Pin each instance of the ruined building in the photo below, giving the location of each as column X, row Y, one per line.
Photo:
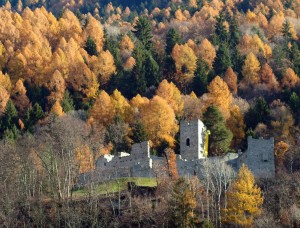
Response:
column 259, row 157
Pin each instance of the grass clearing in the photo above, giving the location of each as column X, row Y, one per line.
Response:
column 115, row 185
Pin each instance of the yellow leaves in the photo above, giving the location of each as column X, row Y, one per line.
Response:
column 129, row 64
column 19, row 97
column 290, row 79
column 253, row 44
column 280, row 149
column 94, row 29
column 103, row 66
column 250, row 16
column 207, row 52
column 251, row 70
column 236, row 125
column 85, row 159
column 103, row 111
column 57, row 109
column 5, row 81
column 122, row 107
column 126, row 44
column 159, row 121
column 171, row 94
column 219, row 95
column 185, row 62
column 56, row 86
column 4, row 97
column 244, row 200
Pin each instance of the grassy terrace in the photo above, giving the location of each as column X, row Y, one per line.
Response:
column 115, row 185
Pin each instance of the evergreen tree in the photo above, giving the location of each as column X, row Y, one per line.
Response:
column 234, row 33
column 173, row 37
column 137, row 82
column 294, row 102
column 139, row 133
column 151, row 70
column 67, row 102
column 222, row 60
column 9, row 121
column 260, row 113
column 295, row 57
column 221, row 35
column 286, row 31
column 220, row 137
column 33, row 115
column 200, row 81
column 182, row 205
column 143, row 32
column 237, row 61
column 90, row 46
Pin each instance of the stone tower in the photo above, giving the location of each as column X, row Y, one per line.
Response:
column 193, row 138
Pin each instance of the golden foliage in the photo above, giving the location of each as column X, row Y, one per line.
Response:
column 5, row 81
column 220, row 96
column 121, row 105
column 244, row 200
column 236, row 125
column 280, row 149
column 126, row 44
column 4, row 97
column 251, row 70
column 172, row 95
column 19, row 97
column 231, row 79
column 57, row 109
column 207, row 52
column 185, row 62
column 103, row 111
column 85, row 159
column 129, row 64
column 103, row 66
column 171, row 161
column 290, row 79
column 159, row 121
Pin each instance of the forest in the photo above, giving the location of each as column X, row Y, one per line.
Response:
column 82, row 79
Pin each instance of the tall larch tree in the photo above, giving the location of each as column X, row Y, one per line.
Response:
column 220, row 95
column 94, row 30
column 19, row 97
column 4, row 97
column 207, row 52
column 268, row 77
column 103, row 111
column 231, row 79
column 251, row 70
column 237, row 126
column 290, row 79
column 159, row 121
column 103, row 66
column 122, row 106
column 185, row 62
column 171, row 161
column 172, row 95
column 244, row 200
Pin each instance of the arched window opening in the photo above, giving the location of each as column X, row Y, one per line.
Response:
column 188, row 142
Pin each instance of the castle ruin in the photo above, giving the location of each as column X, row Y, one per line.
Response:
column 259, row 157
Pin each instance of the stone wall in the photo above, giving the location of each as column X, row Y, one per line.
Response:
column 259, row 157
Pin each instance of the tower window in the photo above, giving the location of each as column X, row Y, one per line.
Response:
column 188, row 142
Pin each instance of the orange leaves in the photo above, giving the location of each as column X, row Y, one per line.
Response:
column 103, row 66
column 85, row 159
column 185, row 62
column 159, row 121
column 219, row 95
column 103, row 110
column 251, row 70
column 280, row 149
column 290, row 79
column 4, row 97
column 207, row 52
column 172, row 95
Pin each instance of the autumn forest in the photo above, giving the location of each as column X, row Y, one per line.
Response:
column 82, row 79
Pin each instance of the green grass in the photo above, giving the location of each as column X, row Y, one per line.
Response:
column 115, row 185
